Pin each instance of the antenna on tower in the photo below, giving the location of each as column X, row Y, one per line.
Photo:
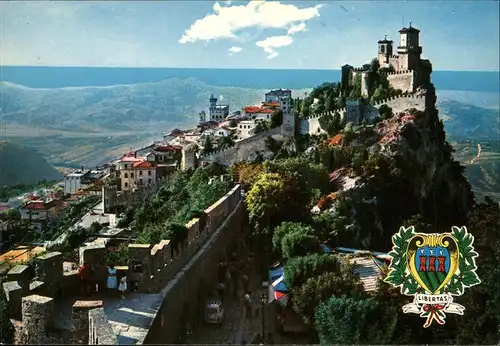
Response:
column 403, row 21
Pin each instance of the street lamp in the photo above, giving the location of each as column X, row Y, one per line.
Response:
column 263, row 300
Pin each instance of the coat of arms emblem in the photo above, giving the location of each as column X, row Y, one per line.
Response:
column 433, row 268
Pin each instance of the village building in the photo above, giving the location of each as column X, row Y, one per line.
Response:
column 223, row 131
column 245, row 129
column 281, row 96
column 258, row 113
column 40, row 210
column 75, row 181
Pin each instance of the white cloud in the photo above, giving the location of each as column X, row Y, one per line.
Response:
column 296, row 28
column 227, row 21
column 270, row 44
column 234, row 50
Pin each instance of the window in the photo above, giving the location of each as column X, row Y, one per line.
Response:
column 140, row 181
column 149, row 173
column 140, row 172
column 382, row 49
column 149, row 181
column 126, row 184
column 125, row 175
column 132, row 175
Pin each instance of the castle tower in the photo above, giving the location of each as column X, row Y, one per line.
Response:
column 213, row 106
column 409, row 49
column 384, row 52
column 203, row 117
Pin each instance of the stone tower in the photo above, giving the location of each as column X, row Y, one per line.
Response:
column 409, row 50
column 203, row 117
column 288, row 127
column 188, row 160
column 213, row 106
column 384, row 52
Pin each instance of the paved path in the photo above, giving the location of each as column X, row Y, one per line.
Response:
column 132, row 317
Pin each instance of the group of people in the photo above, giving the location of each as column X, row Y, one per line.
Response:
column 86, row 276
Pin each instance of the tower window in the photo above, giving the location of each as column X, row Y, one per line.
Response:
column 382, row 49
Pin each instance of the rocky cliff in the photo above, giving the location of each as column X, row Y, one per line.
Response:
column 399, row 169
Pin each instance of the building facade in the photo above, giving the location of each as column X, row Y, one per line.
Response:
column 217, row 112
column 245, row 129
column 283, row 97
column 75, row 181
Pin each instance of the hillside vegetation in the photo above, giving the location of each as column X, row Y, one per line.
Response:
column 354, row 188
column 24, row 166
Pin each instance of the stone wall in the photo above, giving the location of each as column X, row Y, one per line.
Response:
column 311, row 125
column 398, row 104
column 242, row 149
column 186, row 293
column 100, row 331
column 403, row 80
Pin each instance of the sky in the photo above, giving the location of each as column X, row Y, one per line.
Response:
column 455, row 35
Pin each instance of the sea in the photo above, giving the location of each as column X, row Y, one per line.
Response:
column 59, row 77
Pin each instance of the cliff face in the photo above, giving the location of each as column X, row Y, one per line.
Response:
column 400, row 168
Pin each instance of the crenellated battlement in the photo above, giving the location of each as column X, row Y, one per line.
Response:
column 150, row 267
column 330, row 113
column 398, row 97
column 360, row 69
column 398, row 72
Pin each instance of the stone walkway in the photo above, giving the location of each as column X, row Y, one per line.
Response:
column 132, row 317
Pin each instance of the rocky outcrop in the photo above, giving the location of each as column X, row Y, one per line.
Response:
column 407, row 169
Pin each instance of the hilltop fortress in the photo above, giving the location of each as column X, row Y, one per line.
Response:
column 405, row 70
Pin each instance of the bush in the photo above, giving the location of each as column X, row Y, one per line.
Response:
column 341, row 320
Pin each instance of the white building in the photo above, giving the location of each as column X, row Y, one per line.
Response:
column 73, row 181
column 39, row 210
column 258, row 113
column 246, row 129
column 223, row 131
column 284, row 97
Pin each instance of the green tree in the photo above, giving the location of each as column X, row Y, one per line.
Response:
column 288, row 227
column 385, row 112
column 298, row 243
column 341, row 320
column 208, row 146
column 318, row 289
column 479, row 325
column 225, row 143
column 299, row 269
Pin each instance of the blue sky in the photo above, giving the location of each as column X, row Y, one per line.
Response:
column 455, row 35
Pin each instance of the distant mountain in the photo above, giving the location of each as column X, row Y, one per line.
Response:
column 467, row 122
column 137, row 107
column 90, row 125
column 474, row 133
column 20, row 165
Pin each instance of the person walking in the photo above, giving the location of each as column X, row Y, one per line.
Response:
column 220, row 290
column 248, row 304
column 112, row 281
column 84, row 273
column 122, row 287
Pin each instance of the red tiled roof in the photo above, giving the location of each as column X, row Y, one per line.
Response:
column 271, row 104
column 176, row 132
column 143, row 164
column 39, row 204
column 254, row 109
column 165, row 148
